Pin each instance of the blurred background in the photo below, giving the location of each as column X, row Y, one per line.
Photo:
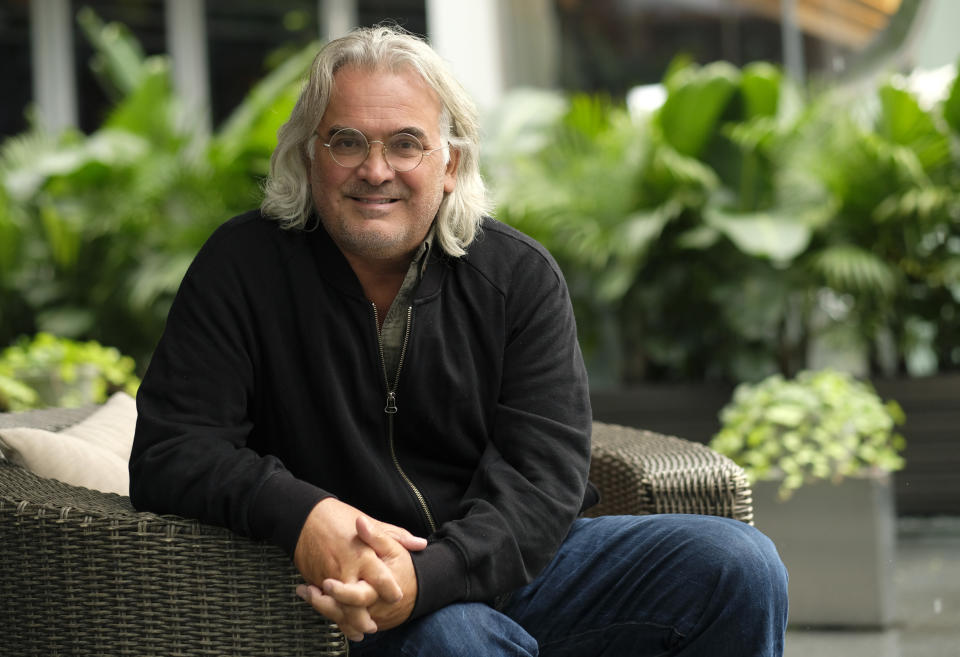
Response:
column 738, row 191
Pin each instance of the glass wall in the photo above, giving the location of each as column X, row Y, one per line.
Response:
column 245, row 39
column 612, row 45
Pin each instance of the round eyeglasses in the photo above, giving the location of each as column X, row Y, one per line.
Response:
column 403, row 152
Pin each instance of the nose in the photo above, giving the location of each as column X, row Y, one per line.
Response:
column 375, row 169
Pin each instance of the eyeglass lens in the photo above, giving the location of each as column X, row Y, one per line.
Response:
column 349, row 148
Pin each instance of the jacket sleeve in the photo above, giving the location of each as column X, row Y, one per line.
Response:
column 532, row 479
column 189, row 454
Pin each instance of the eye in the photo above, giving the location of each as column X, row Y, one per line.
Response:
column 350, row 141
column 405, row 145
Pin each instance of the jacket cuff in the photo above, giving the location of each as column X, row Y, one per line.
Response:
column 280, row 509
column 441, row 578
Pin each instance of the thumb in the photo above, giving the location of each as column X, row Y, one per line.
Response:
column 406, row 539
column 374, row 536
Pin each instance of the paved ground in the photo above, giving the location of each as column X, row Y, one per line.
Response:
column 928, row 601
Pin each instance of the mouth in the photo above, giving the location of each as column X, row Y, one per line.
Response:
column 373, row 200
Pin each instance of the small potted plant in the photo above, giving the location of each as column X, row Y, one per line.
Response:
column 51, row 371
column 820, row 449
column 823, row 425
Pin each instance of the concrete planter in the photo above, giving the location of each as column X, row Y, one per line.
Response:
column 838, row 542
column 54, row 391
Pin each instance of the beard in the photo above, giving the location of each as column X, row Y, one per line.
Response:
column 382, row 231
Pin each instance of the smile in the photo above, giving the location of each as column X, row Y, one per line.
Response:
column 373, row 200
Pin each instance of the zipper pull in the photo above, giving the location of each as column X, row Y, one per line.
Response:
column 391, row 406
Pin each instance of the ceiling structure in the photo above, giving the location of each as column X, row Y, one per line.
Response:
column 851, row 23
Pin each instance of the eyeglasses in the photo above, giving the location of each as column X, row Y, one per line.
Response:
column 403, row 152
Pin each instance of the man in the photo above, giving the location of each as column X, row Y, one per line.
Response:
column 377, row 377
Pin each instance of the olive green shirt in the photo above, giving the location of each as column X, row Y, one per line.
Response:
column 394, row 328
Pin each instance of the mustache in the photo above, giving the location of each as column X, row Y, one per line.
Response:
column 388, row 189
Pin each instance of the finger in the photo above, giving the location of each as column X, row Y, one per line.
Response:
column 375, row 571
column 379, row 576
column 354, row 622
column 357, row 594
column 375, row 536
column 403, row 537
column 379, row 536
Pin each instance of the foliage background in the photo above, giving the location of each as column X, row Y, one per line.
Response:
column 741, row 228
column 744, row 227
column 96, row 231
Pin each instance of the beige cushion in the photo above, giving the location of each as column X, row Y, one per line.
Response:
column 111, row 426
column 92, row 453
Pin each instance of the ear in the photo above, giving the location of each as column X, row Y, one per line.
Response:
column 450, row 174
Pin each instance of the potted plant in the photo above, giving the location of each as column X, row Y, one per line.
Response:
column 50, row 371
column 820, row 449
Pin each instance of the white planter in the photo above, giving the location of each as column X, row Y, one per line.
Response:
column 54, row 391
column 838, row 543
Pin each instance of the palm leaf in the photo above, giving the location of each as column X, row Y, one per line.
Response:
column 147, row 109
column 849, row 268
column 265, row 107
column 766, row 234
column 904, row 123
column 924, row 203
column 118, row 58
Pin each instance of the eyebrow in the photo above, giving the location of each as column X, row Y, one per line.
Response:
column 410, row 130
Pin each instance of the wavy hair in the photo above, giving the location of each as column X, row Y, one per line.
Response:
column 287, row 195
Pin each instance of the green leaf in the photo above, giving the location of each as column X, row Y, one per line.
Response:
column 848, row 268
column 789, row 415
column 697, row 98
column 66, row 321
column 10, row 237
column 700, row 238
column 270, row 100
column 762, row 234
column 118, row 57
column 147, row 109
column 951, row 107
column 760, row 87
column 905, row 123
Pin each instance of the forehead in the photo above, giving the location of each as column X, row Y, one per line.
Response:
column 380, row 102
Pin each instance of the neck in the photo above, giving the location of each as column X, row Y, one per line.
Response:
column 381, row 279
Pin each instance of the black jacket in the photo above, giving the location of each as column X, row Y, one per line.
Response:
column 266, row 394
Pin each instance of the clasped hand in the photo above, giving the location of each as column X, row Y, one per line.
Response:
column 359, row 571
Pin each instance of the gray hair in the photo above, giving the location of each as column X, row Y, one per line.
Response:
column 287, row 196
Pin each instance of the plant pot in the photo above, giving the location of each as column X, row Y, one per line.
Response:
column 838, row 544
column 52, row 390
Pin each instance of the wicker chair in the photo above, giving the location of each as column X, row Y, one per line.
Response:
column 83, row 573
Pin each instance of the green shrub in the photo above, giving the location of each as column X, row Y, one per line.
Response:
column 50, row 371
column 97, row 231
column 823, row 425
column 742, row 226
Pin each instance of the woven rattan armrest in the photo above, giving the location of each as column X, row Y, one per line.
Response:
column 83, row 573
column 640, row 472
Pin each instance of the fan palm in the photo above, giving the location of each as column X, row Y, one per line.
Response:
column 97, row 231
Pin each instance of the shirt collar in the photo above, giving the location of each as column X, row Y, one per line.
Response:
column 420, row 258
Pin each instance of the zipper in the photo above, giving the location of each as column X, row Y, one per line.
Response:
column 391, row 409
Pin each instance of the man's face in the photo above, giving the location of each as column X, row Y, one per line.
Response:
column 372, row 212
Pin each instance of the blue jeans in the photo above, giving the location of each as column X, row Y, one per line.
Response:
column 623, row 586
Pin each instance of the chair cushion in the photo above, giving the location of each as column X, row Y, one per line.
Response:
column 111, row 426
column 92, row 453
